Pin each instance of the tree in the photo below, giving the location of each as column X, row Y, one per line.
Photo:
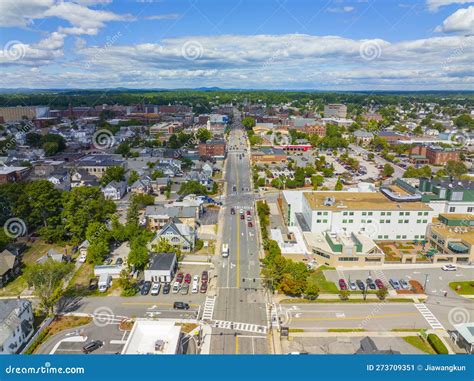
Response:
column 248, row 123
column 123, row 149
column 464, row 121
column 50, row 148
column 192, row 187
column 47, row 279
column 311, row 291
column 382, row 293
column 138, row 256
column 163, row 246
column 134, row 176
column 115, row 173
column 97, row 252
column 317, row 181
column 455, row 168
column 127, row 285
column 344, row 294
column 157, row 174
column 203, row 134
column 338, row 186
column 388, row 170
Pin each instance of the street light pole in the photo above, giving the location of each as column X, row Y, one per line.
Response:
column 426, row 281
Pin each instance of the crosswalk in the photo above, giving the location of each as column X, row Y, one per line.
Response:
column 429, row 317
column 246, row 327
column 208, row 310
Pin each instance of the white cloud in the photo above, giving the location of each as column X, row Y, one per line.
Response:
column 21, row 13
column 461, row 21
column 434, row 5
column 345, row 9
column 167, row 16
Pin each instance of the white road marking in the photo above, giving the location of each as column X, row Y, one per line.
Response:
column 209, row 304
column 429, row 317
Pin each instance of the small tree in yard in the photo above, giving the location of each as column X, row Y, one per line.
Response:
column 344, row 294
column 382, row 293
column 47, row 279
column 311, row 291
column 127, row 285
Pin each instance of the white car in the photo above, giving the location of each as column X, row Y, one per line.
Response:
column 195, row 288
column 449, row 268
column 176, row 287
column 155, row 289
column 82, row 258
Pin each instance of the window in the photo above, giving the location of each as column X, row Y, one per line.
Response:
column 380, row 236
column 425, row 213
column 363, row 221
column 325, row 213
column 418, row 221
column 351, row 221
column 370, row 214
column 385, row 236
column 401, row 213
column 364, row 213
column 404, row 237
column 351, row 213
column 398, row 237
column 387, row 221
column 318, row 213
column 407, row 213
column 452, row 209
column 416, row 236
column 406, row 221
column 382, row 213
column 325, row 221
column 318, row 221
column 400, row 221
column 389, row 213
column 348, row 259
column 470, row 209
column 344, row 213
column 344, row 221
column 382, row 221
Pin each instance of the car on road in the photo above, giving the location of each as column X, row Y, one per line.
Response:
column 176, row 287
column 93, row 284
column 184, row 289
column 352, row 285
column 146, row 287
column 179, row 277
column 181, row 306
column 404, row 284
column 379, row 284
column 360, row 284
column 249, row 224
column 241, row 210
column 166, row 288
column 203, row 287
column 342, row 284
column 370, row 284
column 249, row 213
column 155, row 288
column 394, row 283
column 249, row 218
column 449, row 268
column 242, row 217
column 232, row 211
column 92, row 346
column 205, row 276
column 187, row 278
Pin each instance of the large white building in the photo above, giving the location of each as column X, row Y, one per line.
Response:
column 369, row 213
column 16, row 325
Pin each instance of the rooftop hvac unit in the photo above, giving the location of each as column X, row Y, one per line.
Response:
column 329, row 201
column 159, row 345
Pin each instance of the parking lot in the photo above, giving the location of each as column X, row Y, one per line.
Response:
column 437, row 280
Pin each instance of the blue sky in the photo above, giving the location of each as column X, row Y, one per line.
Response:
column 300, row 44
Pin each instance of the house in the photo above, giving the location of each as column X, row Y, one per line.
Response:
column 60, row 179
column 114, row 190
column 96, row 165
column 161, row 268
column 463, row 336
column 10, row 267
column 16, row 325
column 269, row 156
column 12, row 174
column 202, row 178
column 54, row 255
column 180, row 235
column 157, row 216
column 141, row 186
column 363, row 137
column 368, row 347
column 81, row 178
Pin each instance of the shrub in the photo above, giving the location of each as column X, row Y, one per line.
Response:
column 437, row 344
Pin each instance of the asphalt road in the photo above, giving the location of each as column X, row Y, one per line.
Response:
column 240, row 298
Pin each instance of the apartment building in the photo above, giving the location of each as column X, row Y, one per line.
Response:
column 369, row 213
column 212, row 148
column 435, row 155
column 335, row 111
column 16, row 325
column 96, row 165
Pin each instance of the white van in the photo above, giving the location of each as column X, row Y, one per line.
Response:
column 105, row 280
column 225, row 250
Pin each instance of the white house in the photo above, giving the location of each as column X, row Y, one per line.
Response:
column 16, row 325
column 114, row 190
column 162, row 268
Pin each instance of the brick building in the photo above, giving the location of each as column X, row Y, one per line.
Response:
column 212, row 148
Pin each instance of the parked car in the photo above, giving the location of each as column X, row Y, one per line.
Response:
column 352, row 285
column 249, row 218
column 93, row 284
column 187, row 278
column 379, row 284
column 449, row 268
column 342, row 284
column 203, row 287
column 181, row 306
column 82, row 258
column 179, row 277
column 370, row 284
column 166, row 288
column 176, row 287
column 242, row 217
column 205, row 276
column 249, row 213
column 146, row 287
column 394, row 283
column 249, row 224
column 360, row 284
column 119, row 262
column 92, row 346
column 155, row 288
column 404, row 284
column 184, row 289
column 108, row 261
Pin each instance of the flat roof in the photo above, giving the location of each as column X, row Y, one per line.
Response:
column 146, row 333
column 455, row 232
column 466, row 330
column 457, row 216
column 359, row 201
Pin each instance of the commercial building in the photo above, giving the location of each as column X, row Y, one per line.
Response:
column 369, row 213
column 215, row 148
column 335, row 111
column 16, row 114
column 96, row 165
column 161, row 268
column 435, row 155
column 268, row 156
column 12, row 174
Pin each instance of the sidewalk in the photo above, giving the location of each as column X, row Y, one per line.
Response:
column 278, row 298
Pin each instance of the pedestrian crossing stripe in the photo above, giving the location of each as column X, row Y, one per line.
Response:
column 429, row 317
column 246, row 327
column 208, row 310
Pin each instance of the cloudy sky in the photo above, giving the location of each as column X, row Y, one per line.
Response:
column 268, row 44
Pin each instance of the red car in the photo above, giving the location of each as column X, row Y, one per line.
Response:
column 187, row 278
column 248, row 213
column 249, row 224
column 203, row 288
column 379, row 284
column 179, row 277
column 204, row 276
column 242, row 217
column 342, row 284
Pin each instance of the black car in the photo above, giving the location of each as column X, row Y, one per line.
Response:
column 93, row 283
column 181, row 306
column 92, row 346
column 371, row 284
column 166, row 288
column 119, row 261
column 360, row 284
column 146, row 287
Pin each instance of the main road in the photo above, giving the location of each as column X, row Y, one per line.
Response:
column 240, row 309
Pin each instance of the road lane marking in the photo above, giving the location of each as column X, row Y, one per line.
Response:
column 236, row 345
column 358, row 317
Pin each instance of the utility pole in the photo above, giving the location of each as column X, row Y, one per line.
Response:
column 426, row 281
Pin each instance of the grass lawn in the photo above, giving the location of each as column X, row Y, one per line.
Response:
column 420, row 343
column 389, row 300
column 467, row 288
column 346, row 330
column 35, row 251
column 325, row 287
column 79, row 283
